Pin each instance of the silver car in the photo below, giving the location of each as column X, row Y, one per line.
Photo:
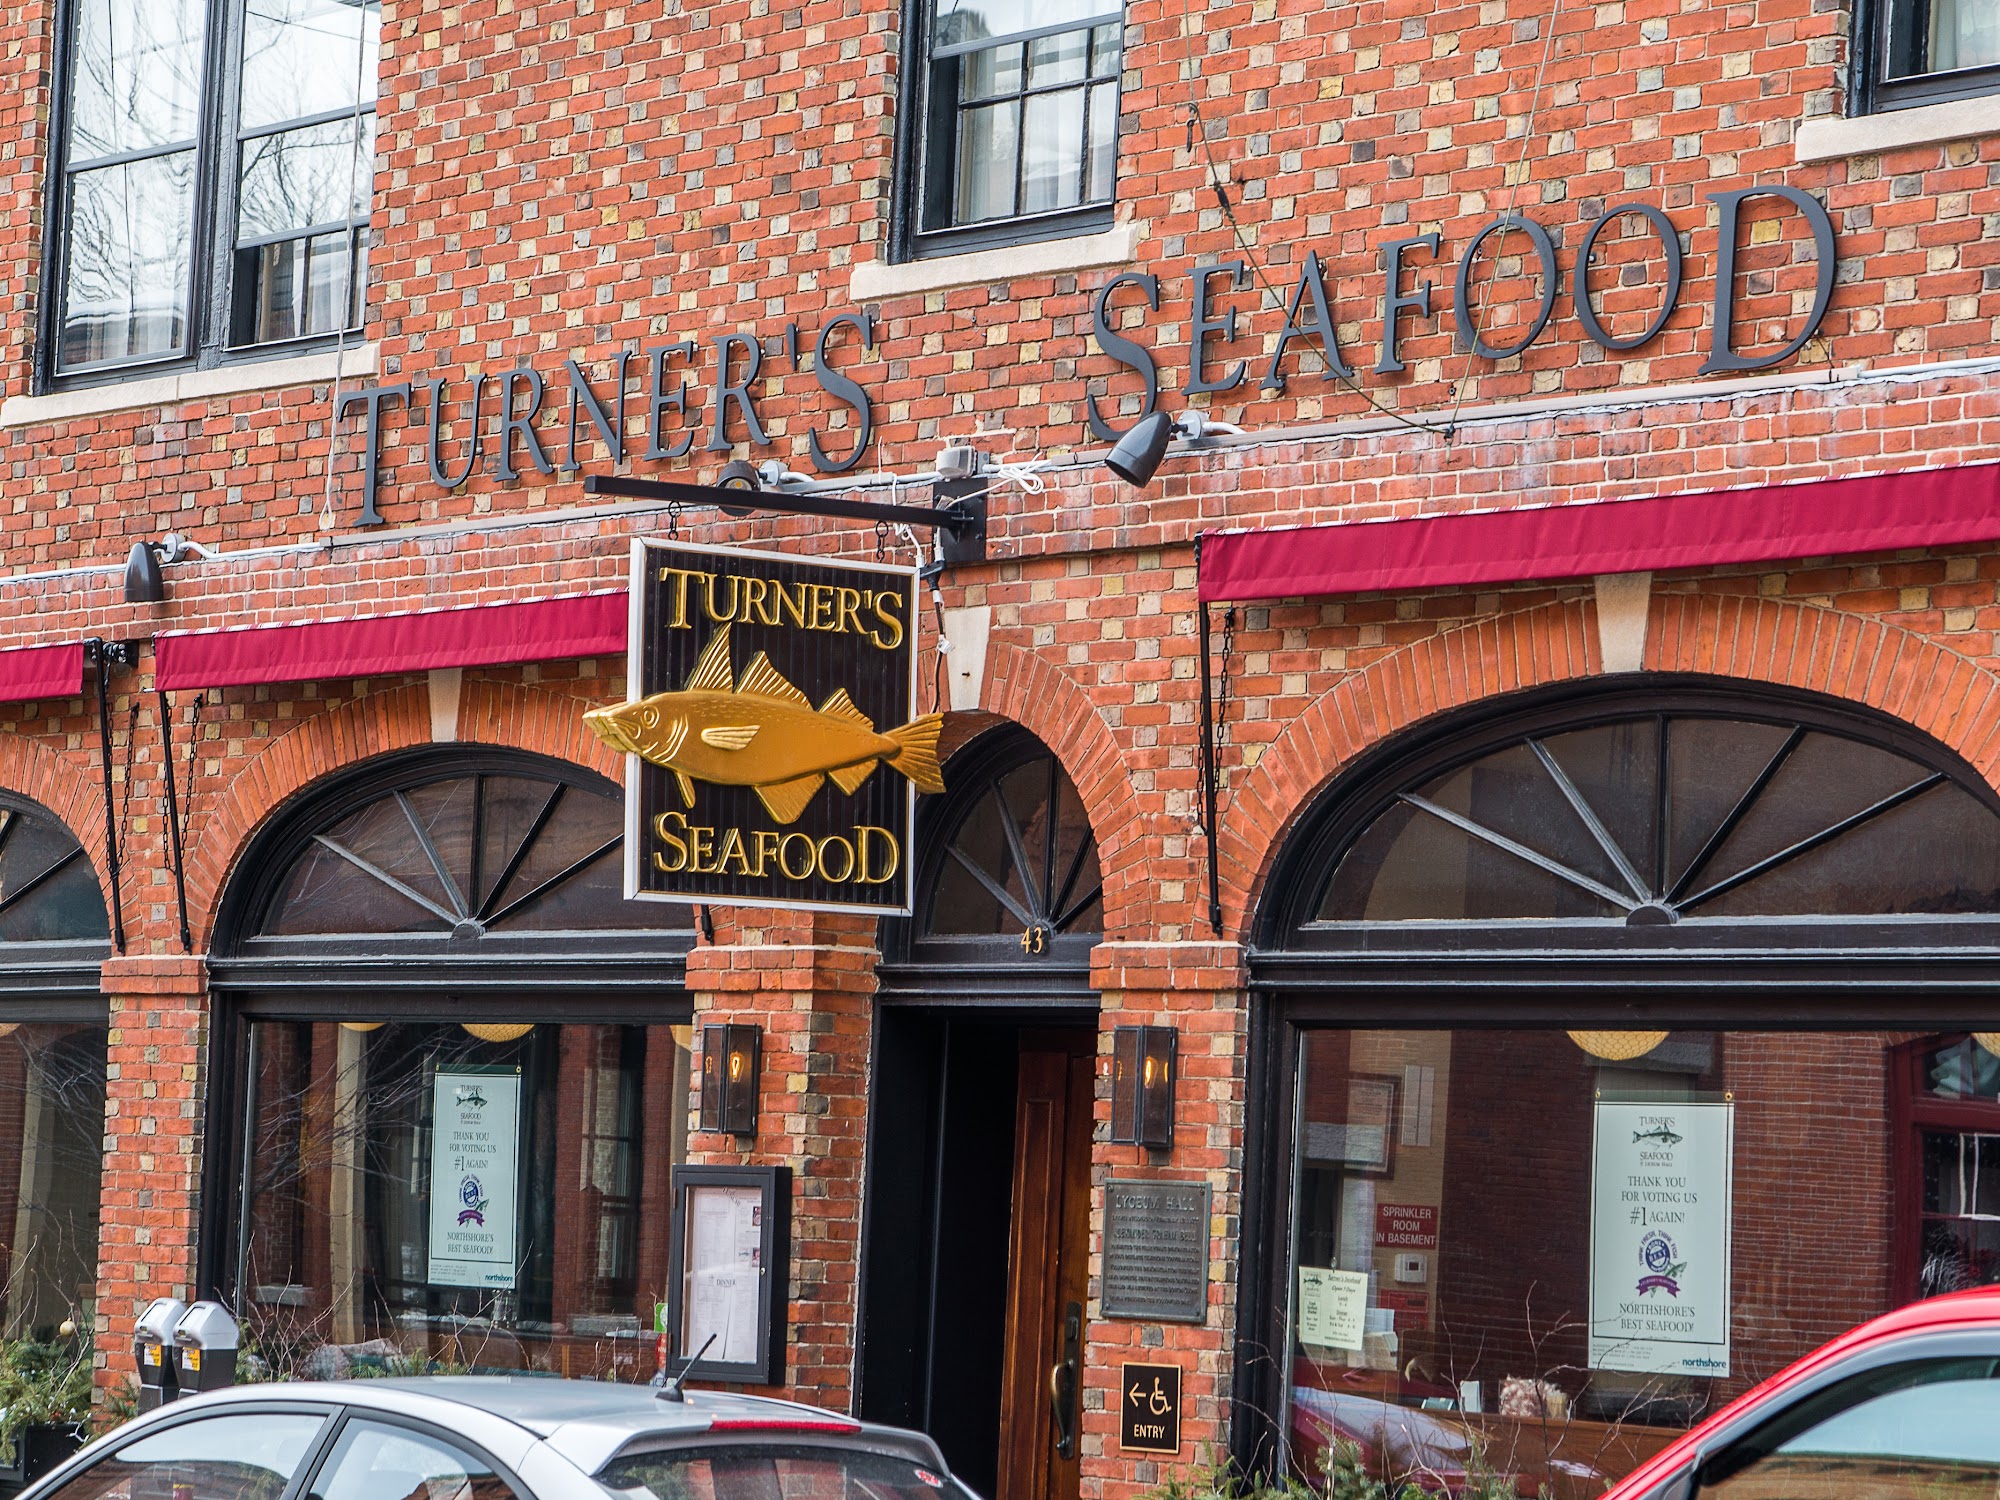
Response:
column 496, row 1438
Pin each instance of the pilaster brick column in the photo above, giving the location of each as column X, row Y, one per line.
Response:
column 156, row 1091
column 810, row 986
column 1197, row 988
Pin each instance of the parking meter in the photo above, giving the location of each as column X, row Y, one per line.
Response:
column 153, row 1346
column 206, row 1341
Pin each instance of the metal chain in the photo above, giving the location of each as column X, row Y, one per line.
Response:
column 1222, row 694
column 673, row 520
column 881, row 541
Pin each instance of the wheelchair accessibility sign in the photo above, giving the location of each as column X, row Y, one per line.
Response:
column 1151, row 1409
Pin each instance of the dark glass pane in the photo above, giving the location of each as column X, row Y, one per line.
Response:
column 1512, row 793
column 307, row 57
column 1711, row 764
column 508, row 809
column 66, row 906
column 136, row 77
column 1962, row 1070
column 1957, row 1254
column 1940, row 36
column 373, row 1462
column 382, row 835
column 1896, row 863
column 1052, row 150
column 961, row 906
column 1411, row 866
column 1823, row 781
column 326, row 894
column 582, row 824
column 52, row 1132
column 304, row 178
column 993, row 73
column 988, row 154
column 959, row 21
column 219, row 1457
column 296, row 288
column 337, row 1237
column 1101, row 166
column 1615, row 769
column 125, row 283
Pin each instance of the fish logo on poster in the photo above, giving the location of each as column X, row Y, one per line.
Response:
column 762, row 788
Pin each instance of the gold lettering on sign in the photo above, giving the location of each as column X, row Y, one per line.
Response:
column 871, row 856
column 876, row 615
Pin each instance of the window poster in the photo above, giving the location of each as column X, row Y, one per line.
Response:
column 475, row 1177
column 724, row 1267
column 1333, row 1307
column 1659, row 1237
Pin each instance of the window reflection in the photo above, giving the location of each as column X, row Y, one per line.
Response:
column 51, row 1166
column 353, row 1195
column 136, row 77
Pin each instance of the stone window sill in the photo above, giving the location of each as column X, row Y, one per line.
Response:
column 188, row 385
column 1833, row 139
column 1116, row 246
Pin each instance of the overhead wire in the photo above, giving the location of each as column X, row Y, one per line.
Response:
column 1198, row 130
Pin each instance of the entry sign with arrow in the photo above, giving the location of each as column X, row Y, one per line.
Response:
column 1150, row 1420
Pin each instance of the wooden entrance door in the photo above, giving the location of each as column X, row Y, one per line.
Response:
column 1048, row 1247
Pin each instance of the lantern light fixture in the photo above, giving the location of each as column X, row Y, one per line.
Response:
column 499, row 1031
column 729, row 1073
column 1143, row 1068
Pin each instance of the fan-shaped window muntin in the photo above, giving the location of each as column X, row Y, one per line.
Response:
column 1657, row 818
column 1019, row 859
column 514, row 850
column 48, row 887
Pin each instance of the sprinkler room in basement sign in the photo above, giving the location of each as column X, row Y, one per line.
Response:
column 773, row 745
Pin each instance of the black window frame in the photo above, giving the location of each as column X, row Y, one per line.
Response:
column 1873, row 91
column 213, row 253
column 924, row 169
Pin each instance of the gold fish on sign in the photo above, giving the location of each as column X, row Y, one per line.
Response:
column 763, row 733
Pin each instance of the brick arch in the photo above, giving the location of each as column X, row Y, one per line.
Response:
column 223, row 820
column 1861, row 661
column 1026, row 688
column 71, row 787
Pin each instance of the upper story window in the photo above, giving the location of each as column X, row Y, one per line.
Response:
column 216, row 166
column 1926, row 52
column 1013, row 122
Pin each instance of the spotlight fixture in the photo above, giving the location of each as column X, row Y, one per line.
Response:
column 738, row 474
column 1138, row 453
column 144, row 582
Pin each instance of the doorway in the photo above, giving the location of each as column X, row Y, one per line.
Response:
column 977, row 1241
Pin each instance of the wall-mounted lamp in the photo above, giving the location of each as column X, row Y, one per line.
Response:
column 1138, row 453
column 1142, row 1085
column 729, row 1058
column 144, row 582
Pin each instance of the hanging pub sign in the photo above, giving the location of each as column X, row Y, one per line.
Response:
column 774, row 749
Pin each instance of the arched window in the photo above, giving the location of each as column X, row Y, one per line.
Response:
column 1007, row 862
column 1682, row 821
column 481, row 860
column 48, row 890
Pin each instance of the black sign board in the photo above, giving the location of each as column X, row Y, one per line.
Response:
column 1149, row 1418
column 1156, row 1251
column 773, row 746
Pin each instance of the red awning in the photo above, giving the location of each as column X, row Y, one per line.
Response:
column 1877, row 513
column 33, row 672
column 487, row 635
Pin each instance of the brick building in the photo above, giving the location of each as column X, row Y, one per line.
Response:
column 1586, row 563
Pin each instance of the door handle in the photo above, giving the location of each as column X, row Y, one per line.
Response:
column 1064, row 1382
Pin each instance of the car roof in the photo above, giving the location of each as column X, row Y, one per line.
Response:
column 589, row 1421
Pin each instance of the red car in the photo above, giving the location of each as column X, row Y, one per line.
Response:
column 1904, row 1408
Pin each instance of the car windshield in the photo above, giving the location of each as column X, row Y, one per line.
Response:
column 773, row 1472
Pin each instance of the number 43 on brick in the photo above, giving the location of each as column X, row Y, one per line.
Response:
column 773, row 746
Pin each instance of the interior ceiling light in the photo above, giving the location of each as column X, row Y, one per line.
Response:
column 499, row 1031
column 1618, row 1046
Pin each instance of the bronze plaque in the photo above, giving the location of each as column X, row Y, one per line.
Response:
column 1155, row 1251
column 1149, row 1408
